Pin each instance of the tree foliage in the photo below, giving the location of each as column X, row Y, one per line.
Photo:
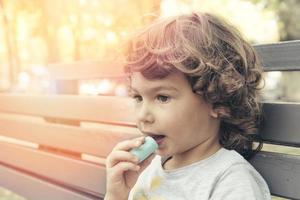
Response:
column 288, row 15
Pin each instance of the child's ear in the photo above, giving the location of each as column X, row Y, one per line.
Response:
column 217, row 112
column 214, row 113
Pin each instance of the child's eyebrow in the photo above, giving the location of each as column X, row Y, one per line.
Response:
column 155, row 89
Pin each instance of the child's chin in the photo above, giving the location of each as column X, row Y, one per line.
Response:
column 162, row 153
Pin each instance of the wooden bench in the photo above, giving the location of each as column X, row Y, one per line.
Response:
column 54, row 146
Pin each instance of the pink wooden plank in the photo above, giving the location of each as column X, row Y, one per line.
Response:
column 67, row 171
column 35, row 189
column 95, row 141
column 107, row 109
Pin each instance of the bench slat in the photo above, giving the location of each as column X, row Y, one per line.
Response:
column 86, row 70
column 24, row 184
column 281, row 124
column 94, row 141
column 104, row 109
column 74, row 173
column 281, row 172
column 282, row 56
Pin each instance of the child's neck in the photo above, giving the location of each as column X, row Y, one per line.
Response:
column 197, row 153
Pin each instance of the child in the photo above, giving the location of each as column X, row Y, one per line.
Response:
column 195, row 84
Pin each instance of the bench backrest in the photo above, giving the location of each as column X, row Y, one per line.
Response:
column 54, row 146
column 281, row 166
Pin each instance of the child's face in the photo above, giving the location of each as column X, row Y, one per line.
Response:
column 178, row 119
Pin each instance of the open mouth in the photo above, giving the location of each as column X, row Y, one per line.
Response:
column 158, row 138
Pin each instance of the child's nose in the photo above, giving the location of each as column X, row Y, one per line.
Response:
column 145, row 114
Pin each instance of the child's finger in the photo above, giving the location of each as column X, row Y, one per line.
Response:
column 126, row 145
column 119, row 169
column 119, row 156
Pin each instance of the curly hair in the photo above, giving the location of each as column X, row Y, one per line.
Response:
column 218, row 63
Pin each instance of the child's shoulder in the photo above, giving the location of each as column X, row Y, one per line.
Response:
column 235, row 164
column 231, row 162
column 240, row 176
column 224, row 159
column 236, row 175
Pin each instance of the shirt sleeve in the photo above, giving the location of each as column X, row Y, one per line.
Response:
column 238, row 182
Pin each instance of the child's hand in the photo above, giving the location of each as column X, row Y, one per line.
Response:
column 122, row 169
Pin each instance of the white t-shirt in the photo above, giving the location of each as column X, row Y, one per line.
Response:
column 225, row 175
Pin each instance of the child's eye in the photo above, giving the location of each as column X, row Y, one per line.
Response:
column 163, row 98
column 137, row 98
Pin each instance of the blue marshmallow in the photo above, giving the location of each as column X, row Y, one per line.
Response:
column 146, row 149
